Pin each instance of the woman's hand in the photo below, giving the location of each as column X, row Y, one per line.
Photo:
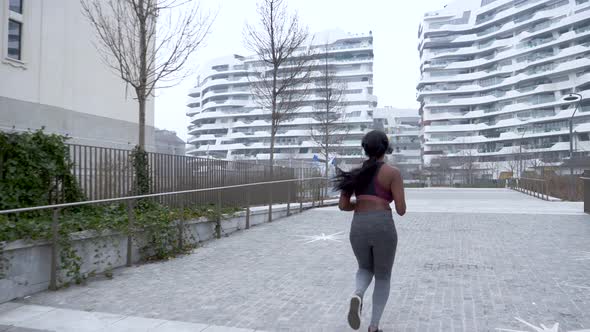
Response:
column 397, row 189
column 345, row 203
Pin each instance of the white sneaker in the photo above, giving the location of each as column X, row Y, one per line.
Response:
column 354, row 312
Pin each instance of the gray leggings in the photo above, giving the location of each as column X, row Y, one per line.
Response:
column 374, row 240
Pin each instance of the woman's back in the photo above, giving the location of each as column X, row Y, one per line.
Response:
column 379, row 185
column 387, row 187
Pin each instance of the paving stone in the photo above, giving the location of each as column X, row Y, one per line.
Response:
column 459, row 267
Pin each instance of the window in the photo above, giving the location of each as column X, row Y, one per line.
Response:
column 220, row 67
column 353, row 91
column 557, row 4
column 16, row 6
column 15, row 30
column 14, row 39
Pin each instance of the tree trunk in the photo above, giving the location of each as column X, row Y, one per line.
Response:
column 271, row 169
column 143, row 71
column 142, row 103
column 327, row 147
column 326, row 176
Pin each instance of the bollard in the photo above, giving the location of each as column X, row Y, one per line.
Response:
column 321, row 193
column 300, row 196
column 181, row 226
column 248, row 217
column 218, row 221
column 130, row 221
column 247, row 208
column 288, row 199
column 270, row 202
column 54, row 249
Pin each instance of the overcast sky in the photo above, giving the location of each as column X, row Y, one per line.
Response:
column 395, row 30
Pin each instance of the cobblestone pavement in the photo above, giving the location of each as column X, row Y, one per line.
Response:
column 477, row 269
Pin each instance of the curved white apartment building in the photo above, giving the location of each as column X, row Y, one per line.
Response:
column 494, row 73
column 227, row 122
column 403, row 128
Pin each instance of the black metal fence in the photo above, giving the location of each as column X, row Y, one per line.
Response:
column 535, row 187
column 312, row 188
column 104, row 173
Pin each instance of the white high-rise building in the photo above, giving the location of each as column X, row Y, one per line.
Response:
column 494, row 74
column 228, row 123
column 402, row 126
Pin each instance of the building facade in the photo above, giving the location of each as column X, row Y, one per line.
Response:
column 494, row 75
column 52, row 76
column 227, row 122
column 167, row 142
column 402, row 126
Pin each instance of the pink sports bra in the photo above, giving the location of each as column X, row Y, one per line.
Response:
column 374, row 190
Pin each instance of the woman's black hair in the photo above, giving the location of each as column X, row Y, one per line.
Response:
column 375, row 144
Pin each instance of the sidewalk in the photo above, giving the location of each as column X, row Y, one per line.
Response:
column 16, row 317
column 467, row 260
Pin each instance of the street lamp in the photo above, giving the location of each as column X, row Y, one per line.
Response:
column 572, row 98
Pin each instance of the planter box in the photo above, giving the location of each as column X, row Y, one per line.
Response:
column 28, row 266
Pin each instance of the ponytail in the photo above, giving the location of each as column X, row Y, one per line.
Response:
column 357, row 179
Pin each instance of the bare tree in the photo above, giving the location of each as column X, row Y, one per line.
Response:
column 512, row 166
column 535, row 163
column 467, row 160
column 147, row 54
column 494, row 167
column 329, row 130
column 442, row 170
column 281, row 74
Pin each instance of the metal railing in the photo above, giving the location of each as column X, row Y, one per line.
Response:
column 103, row 173
column 586, row 193
column 534, row 187
column 297, row 191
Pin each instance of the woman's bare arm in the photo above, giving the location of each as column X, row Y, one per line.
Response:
column 345, row 203
column 397, row 189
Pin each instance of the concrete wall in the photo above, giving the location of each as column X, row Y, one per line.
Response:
column 83, row 128
column 29, row 263
column 62, row 72
column 168, row 142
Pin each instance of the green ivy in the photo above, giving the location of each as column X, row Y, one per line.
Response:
column 35, row 170
column 157, row 224
column 139, row 159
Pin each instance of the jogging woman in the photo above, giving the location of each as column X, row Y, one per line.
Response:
column 372, row 234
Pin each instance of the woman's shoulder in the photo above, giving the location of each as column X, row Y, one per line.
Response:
column 390, row 169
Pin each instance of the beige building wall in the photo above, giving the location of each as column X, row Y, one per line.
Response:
column 61, row 82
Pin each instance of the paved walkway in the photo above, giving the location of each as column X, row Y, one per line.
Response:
column 468, row 260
